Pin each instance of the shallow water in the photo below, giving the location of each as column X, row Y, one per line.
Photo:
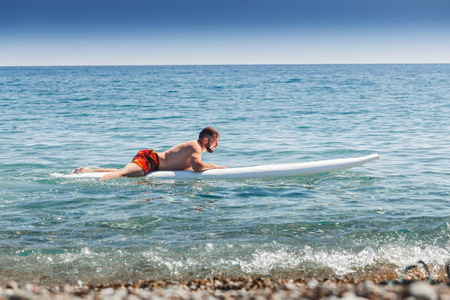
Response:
column 371, row 220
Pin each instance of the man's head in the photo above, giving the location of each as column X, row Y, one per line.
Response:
column 209, row 137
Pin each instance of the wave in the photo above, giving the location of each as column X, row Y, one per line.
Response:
column 99, row 265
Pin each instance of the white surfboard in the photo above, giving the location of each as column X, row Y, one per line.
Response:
column 264, row 171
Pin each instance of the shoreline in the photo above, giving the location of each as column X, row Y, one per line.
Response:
column 235, row 288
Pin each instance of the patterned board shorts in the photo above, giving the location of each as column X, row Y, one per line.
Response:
column 148, row 160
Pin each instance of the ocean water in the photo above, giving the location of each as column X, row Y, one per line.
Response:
column 369, row 221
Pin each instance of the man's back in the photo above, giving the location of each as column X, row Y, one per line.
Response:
column 179, row 156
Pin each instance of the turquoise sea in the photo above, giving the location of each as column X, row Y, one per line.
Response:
column 369, row 221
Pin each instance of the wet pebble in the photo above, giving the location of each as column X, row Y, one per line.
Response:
column 422, row 290
column 227, row 288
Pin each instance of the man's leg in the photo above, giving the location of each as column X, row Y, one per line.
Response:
column 130, row 170
column 87, row 170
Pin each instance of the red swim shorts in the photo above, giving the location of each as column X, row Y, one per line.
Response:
column 148, row 160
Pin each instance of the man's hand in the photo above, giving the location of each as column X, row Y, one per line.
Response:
column 220, row 167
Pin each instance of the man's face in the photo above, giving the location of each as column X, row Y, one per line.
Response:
column 212, row 144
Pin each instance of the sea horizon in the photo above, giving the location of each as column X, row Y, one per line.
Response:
column 232, row 64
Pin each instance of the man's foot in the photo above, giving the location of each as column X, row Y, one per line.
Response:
column 82, row 170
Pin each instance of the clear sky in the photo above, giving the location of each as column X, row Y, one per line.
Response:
column 168, row 32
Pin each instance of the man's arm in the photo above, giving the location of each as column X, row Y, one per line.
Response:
column 199, row 166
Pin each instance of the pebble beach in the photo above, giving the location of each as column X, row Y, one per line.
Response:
column 239, row 288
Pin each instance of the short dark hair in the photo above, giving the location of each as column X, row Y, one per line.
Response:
column 208, row 132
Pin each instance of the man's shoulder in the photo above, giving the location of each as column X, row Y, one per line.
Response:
column 192, row 145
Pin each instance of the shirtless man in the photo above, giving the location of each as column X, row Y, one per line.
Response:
column 185, row 156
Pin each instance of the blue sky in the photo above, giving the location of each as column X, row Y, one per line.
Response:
column 167, row 32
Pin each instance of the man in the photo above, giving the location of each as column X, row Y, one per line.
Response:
column 185, row 156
